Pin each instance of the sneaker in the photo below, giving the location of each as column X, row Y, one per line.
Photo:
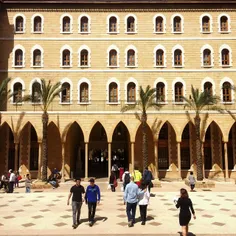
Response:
column 90, row 223
column 143, row 223
column 74, row 226
column 130, row 224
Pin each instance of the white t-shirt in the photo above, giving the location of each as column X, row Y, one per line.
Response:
column 12, row 177
column 144, row 198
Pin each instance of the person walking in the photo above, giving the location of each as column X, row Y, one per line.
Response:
column 192, row 181
column 115, row 169
column 185, row 205
column 12, row 180
column 147, row 178
column 125, row 178
column 137, row 176
column 77, row 200
column 92, row 198
column 131, row 198
column 4, row 182
column 113, row 181
column 143, row 202
column 28, row 183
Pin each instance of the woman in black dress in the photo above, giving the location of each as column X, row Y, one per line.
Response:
column 185, row 204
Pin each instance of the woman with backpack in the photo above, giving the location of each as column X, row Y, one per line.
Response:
column 125, row 178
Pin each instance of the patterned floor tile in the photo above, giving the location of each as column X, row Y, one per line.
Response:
column 27, row 205
column 215, row 204
column 51, row 205
column 60, row 224
column 122, row 223
column 172, row 209
column 121, row 216
column 20, row 210
column 224, row 209
column 220, row 196
column 229, row 200
column 120, row 204
column 207, row 216
column 164, row 199
column 40, row 196
column 66, row 216
column 199, row 209
column 37, row 217
column 35, row 200
column 57, row 200
column 154, row 223
column 3, row 205
column 207, row 200
column 200, row 195
column 233, row 216
column 12, row 201
column 121, row 209
column 168, row 204
column 1, row 224
column 218, row 224
column 44, row 210
column 28, row 225
column 176, row 215
column 160, row 195
column 60, row 196
column 8, row 217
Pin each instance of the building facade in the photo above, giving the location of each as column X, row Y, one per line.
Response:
column 101, row 53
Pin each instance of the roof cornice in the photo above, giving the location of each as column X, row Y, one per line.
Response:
column 223, row 2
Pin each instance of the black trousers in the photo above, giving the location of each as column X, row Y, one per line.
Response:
column 143, row 212
column 91, row 210
column 11, row 187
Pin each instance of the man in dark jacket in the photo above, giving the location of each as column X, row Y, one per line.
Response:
column 147, row 178
column 92, row 198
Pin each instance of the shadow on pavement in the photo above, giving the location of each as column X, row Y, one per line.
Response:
column 189, row 234
column 149, row 218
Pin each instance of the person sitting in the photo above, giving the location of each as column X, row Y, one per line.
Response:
column 53, row 181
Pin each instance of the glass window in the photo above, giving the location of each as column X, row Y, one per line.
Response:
column 131, row 96
column 65, row 94
column 177, row 24
column 227, row 92
column 131, row 58
column 37, row 58
column 66, row 58
column 130, row 24
column 36, row 87
column 208, row 87
column 159, row 58
column 18, row 57
column 37, row 24
column 159, row 24
column 178, row 92
column 113, row 93
column 113, row 24
column 224, row 25
column 17, row 96
column 84, row 94
column 84, row 58
column 207, row 57
column 113, row 58
column 84, row 24
column 160, row 92
column 19, row 27
column 206, row 24
column 66, row 24
column 178, row 57
column 225, row 57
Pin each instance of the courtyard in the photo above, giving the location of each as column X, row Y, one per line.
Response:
column 45, row 212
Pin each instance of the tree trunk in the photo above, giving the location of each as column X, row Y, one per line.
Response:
column 197, row 121
column 45, row 146
column 144, row 145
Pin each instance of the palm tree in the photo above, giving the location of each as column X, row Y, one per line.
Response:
column 46, row 94
column 5, row 94
column 147, row 100
column 199, row 101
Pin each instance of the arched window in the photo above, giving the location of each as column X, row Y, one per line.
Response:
column 207, row 57
column 226, row 92
column 37, row 58
column 178, row 92
column 18, row 57
column 113, row 57
column 66, row 24
column 159, row 57
column 84, row 57
column 130, row 24
column 65, row 94
column 178, row 57
column 37, row 24
column 112, row 24
column 35, row 92
column 224, row 24
column 66, row 57
column 84, row 92
column 225, row 57
column 113, row 92
column 206, row 27
column 84, row 24
column 208, row 87
column 131, row 57
column 159, row 24
column 17, row 92
column 131, row 92
column 177, row 24
column 19, row 24
column 160, row 92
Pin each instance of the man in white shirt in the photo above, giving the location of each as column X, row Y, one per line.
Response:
column 11, row 181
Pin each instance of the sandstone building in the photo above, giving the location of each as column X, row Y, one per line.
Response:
column 102, row 51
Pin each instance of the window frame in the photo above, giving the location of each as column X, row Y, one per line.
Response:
column 207, row 47
column 66, row 47
column 164, row 24
column 17, row 80
column 24, row 24
column 35, row 80
column 230, row 81
column 113, row 80
column 135, row 24
column 32, row 24
column 172, row 24
column 79, row 24
column 66, row 80
column 80, row 82
column 159, row 47
column 210, row 24
column 18, row 47
column 178, row 80
column 219, row 24
column 37, row 47
column 223, row 47
column 117, row 24
column 178, row 47
column 127, row 82
column 162, row 80
column 62, row 27
column 131, row 47
column 84, row 47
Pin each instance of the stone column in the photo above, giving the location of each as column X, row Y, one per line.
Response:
column 226, row 160
column 203, row 161
column 132, row 157
column 63, row 162
column 109, row 159
column 156, row 158
column 86, row 160
column 40, row 159
column 179, row 158
column 16, row 156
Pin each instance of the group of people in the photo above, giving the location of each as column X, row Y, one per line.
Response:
column 133, row 195
column 10, row 181
column 146, row 178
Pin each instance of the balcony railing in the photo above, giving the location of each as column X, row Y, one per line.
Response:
column 100, row 105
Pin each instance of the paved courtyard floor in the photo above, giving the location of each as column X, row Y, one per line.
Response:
column 46, row 212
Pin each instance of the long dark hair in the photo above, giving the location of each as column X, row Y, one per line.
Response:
column 183, row 193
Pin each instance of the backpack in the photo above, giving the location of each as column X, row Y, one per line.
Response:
column 127, row 178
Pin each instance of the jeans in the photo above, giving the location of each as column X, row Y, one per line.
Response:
column 130, row 211
column 91, row 210
column 76, row 207
column 27, row 189
column 143, row 212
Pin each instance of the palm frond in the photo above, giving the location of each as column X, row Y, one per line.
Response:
column 128, row 107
